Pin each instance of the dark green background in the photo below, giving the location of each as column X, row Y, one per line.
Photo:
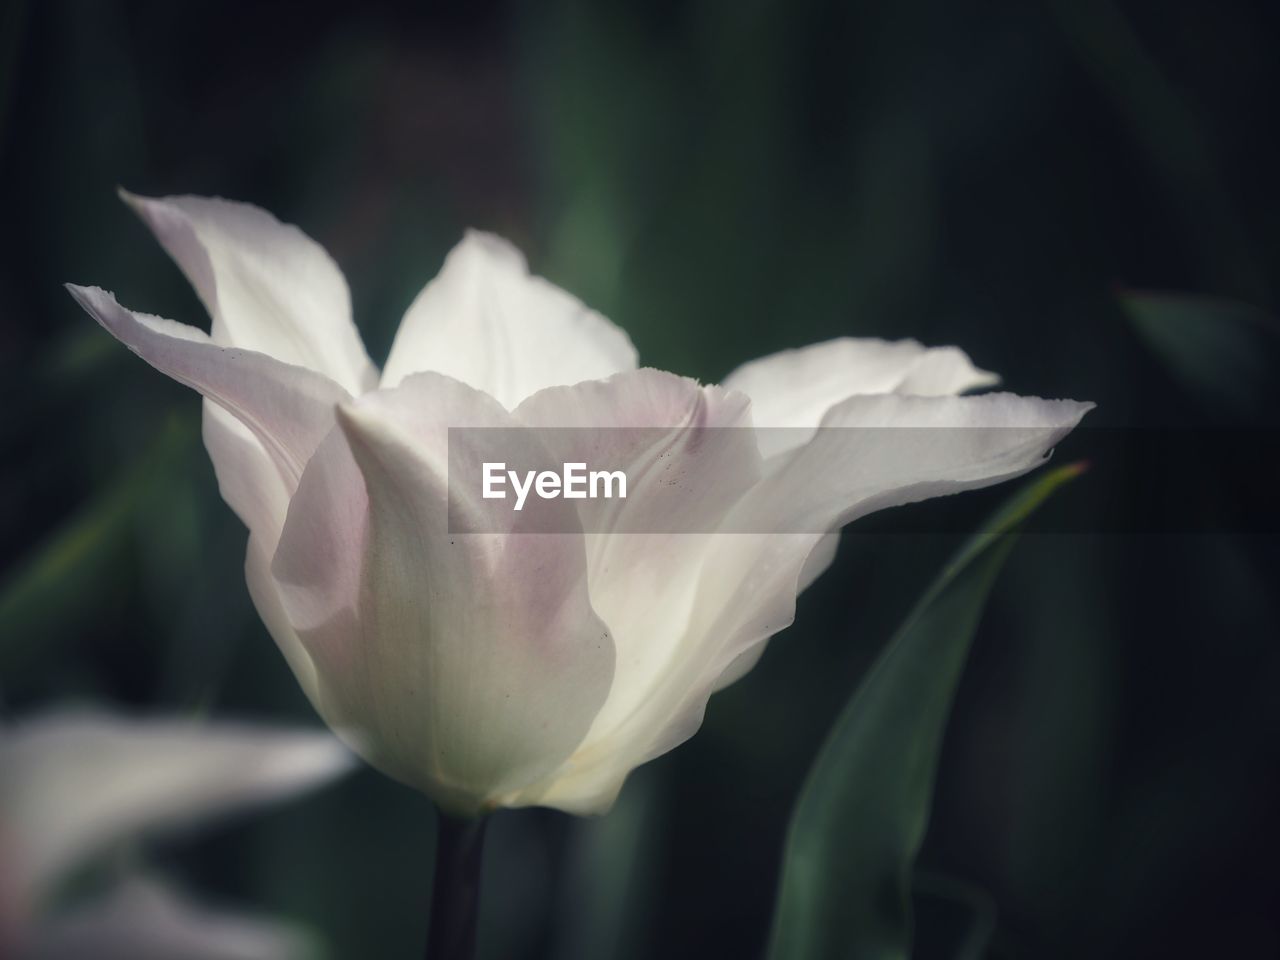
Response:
column 724, row 180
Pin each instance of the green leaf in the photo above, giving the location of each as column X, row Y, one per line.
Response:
column 977, row 909
column 862, row 813
column 1223, row 351
column 68, row 577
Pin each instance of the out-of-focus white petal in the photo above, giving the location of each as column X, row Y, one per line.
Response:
column 74, row 781
column 464, row 664
column 795, row 388
column 142, row 920
column 485, row 321
column 268, row 286
column 880, row 451
column 288, row 409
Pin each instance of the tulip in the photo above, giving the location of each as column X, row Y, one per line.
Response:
column 74, row 784
column 503, row 668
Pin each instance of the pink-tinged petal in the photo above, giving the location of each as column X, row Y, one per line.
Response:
column 248, row 479
column 821, row 557
column 73, row 782
column 287, row 409
column 689, row 453
column 687, row 450
column 880, row 451
column 250, row 483
column 487, row 322
column 142, row 920
column 795, row 388
column 465, row 664
column 268, row 286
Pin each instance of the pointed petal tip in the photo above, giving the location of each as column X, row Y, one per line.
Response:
column 985, row 378
column 1079, row 409
column 103, row 306
column 362, row 427
column 492, row 246
column 88, row 297
column 140, row 205
column 371, row 436
column 349, row 417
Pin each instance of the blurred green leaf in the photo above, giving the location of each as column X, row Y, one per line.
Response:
column 1166, row 128
column 1224, row 351
column 76, row 356
column 64, row 579
column 611, row 876
column 974, row 905
column 862, row 813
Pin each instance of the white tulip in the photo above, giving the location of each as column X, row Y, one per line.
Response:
column 506, row 668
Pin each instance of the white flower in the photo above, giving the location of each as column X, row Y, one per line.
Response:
column 140, row 919
column 75, row 783
column 491, row 670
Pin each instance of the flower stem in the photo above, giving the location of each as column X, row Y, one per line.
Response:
column 455, row 892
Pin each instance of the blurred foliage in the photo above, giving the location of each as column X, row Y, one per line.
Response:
column 724, row 180
column 846, row 882
column 1228, row 352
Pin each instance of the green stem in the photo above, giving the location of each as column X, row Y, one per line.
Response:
column 455, row 892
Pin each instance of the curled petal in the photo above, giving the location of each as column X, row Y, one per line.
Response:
column 795, row 388
column 287, row 409
column 880, row 451
column 485, row 321
column 268, row 286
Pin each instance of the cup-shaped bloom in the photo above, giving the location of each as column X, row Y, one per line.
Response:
column 509, row 665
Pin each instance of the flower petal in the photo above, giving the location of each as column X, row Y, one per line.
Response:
column 268, row 286
column 464, row 664
column 142, row 920
column 687, row 449
column 689, row 454
column 72, row 782
column 247, row 477
column 749, row 582
column 882, row 450
column 264, row 592
column 287, row 408
column 485, row 321
column 795, row 388
column 249, row 481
